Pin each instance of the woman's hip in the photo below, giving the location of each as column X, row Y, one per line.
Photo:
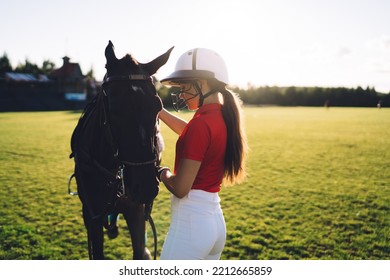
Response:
column 197, row 202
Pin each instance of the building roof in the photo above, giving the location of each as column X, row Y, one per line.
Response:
column 23, row 77
column 67, row 69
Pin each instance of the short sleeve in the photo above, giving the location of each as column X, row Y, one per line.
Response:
column 196, row 140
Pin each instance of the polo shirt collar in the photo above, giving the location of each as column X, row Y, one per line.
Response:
column 209, row 107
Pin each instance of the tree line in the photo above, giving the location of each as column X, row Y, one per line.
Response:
column 260, row 96
column 302, row 96
column 27, row 67
column 313, row 96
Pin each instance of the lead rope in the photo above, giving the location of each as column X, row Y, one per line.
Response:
column 148, row 217
column 154, row 236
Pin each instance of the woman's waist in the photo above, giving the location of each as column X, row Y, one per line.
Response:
column 197, row 201
column 203, row 195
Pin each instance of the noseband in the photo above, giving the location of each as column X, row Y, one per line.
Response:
column 134, row 77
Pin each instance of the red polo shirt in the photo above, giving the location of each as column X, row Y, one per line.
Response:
column 204, row 139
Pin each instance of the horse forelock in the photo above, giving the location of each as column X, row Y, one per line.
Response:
column 128, row 58
column 125, row 66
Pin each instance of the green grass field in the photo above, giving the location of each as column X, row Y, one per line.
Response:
column 318, row 188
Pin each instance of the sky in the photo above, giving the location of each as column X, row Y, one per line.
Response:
column 329, row 43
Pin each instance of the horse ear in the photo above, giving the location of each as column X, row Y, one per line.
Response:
column 109, row 52
column 154, row 65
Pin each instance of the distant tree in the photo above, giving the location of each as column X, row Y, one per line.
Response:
column 90, row 74
column 47, row 67
column 5, row 65
column 91, row 86
column 28, row 67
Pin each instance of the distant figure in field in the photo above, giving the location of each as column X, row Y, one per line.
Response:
column 379, row 105
column 326, row 104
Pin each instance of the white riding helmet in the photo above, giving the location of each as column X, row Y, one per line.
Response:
column 199, row 63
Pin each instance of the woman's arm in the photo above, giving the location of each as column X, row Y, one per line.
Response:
column 173, row 122
column 181, row 183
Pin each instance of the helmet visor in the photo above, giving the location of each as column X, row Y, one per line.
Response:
column 182, row 76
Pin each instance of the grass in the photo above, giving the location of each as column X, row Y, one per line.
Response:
column 318, row 188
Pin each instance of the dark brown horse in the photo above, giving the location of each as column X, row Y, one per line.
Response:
column 116, row 151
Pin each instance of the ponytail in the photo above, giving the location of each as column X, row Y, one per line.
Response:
column 236, row 145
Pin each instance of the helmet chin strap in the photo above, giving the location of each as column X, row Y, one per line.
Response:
column 202, row 96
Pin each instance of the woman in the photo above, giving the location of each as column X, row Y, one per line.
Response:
column 211, row 148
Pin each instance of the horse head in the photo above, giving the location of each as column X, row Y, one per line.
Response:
column 132, row 106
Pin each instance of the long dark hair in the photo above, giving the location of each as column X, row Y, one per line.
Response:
column 236, row 145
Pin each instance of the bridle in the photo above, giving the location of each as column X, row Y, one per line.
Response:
column 133, row 77
column 121, row 164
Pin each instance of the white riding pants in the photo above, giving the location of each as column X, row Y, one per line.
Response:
column 197, row 229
